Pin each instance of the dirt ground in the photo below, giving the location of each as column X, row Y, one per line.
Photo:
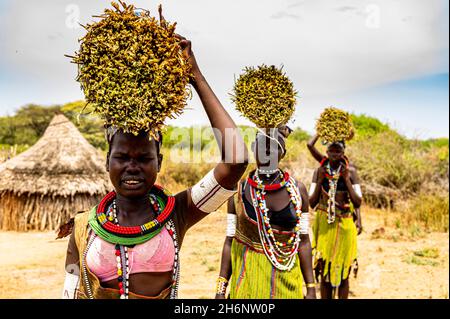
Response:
column 390, row 265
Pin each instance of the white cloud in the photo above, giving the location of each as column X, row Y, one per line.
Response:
column 327, row 47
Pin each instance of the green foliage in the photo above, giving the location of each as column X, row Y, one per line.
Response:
column 421, row 261
column 29, row 124
column 430, row 210
column 89, row 125
column 427, row 253
column 416, row 172
column 35, row 117
column 389, row 160
column 367, row 126
column 424, row 257
column 436, row 142
column 299, row 135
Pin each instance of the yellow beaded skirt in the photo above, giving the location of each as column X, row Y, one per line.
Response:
column 254, row 276
column 334, row 246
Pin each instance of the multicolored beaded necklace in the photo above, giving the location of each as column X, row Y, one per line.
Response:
column 256, row 183
column 333, row 178
column 134, row 231
column 121, row 249
column 281, row 255
column 123, row 270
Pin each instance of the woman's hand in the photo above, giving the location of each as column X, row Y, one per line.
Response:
column 186, row 47
column 359, row 227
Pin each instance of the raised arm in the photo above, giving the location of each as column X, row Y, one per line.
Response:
column 312, row 148
column 215, row 188
column 225, row 264
column 233, row 150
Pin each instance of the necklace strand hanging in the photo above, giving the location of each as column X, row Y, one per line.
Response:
column 121, row 252
column 281, row 255
column 333, row 178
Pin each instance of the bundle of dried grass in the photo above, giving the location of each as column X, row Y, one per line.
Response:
column 335, row 125
column 132, row 69
column 265, row 95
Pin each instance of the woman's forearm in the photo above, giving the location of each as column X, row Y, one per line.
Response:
column 225, row 267
column 315, row 196
column 313, row 150
column 358, row 215
column 305, row 255
column 232, row 146
column 225, row 264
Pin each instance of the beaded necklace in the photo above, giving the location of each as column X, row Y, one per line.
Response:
column 259, row 185
column 134, row 231
column 121, row 243
column 281, row 255
column 333, row 178
column 121, row 251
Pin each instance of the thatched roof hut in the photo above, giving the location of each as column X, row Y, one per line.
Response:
column 57, row 177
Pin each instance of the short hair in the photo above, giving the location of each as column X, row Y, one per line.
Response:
column 337, row 143
column 111, row 131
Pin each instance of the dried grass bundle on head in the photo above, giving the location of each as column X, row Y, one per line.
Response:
column 265, row 95
column 334, row 125
column 132, row 69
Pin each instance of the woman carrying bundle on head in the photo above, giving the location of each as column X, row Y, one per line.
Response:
column 267, row 251
column 128, row 246
column 335, row 194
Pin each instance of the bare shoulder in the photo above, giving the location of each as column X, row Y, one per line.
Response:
column 304, row 195
column 182, row 198
column 353, row 174
column 301, row 186
column 353, row 170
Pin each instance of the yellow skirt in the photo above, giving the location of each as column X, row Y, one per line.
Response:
column 254, row 277
column 334, row 247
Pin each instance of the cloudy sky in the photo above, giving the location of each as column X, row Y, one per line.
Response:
column 385, row 58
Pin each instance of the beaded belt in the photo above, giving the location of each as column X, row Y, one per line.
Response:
column 339, row 212
column 255, row 246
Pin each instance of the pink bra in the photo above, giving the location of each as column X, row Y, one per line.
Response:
column 155, row 255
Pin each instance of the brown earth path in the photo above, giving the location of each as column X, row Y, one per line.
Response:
column 33, row 263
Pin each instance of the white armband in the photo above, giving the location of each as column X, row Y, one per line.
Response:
column 312, row 189
column 208, row 195
column 71, row 285
column 304, row 223
column 357, row 189
column 231, row 225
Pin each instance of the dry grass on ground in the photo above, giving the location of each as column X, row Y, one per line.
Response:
column 393, row 264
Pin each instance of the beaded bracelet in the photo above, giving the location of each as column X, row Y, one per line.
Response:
column 311, row 285
column 221, row 286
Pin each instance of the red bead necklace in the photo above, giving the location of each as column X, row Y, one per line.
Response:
column 134, row 231
column 258, row 185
